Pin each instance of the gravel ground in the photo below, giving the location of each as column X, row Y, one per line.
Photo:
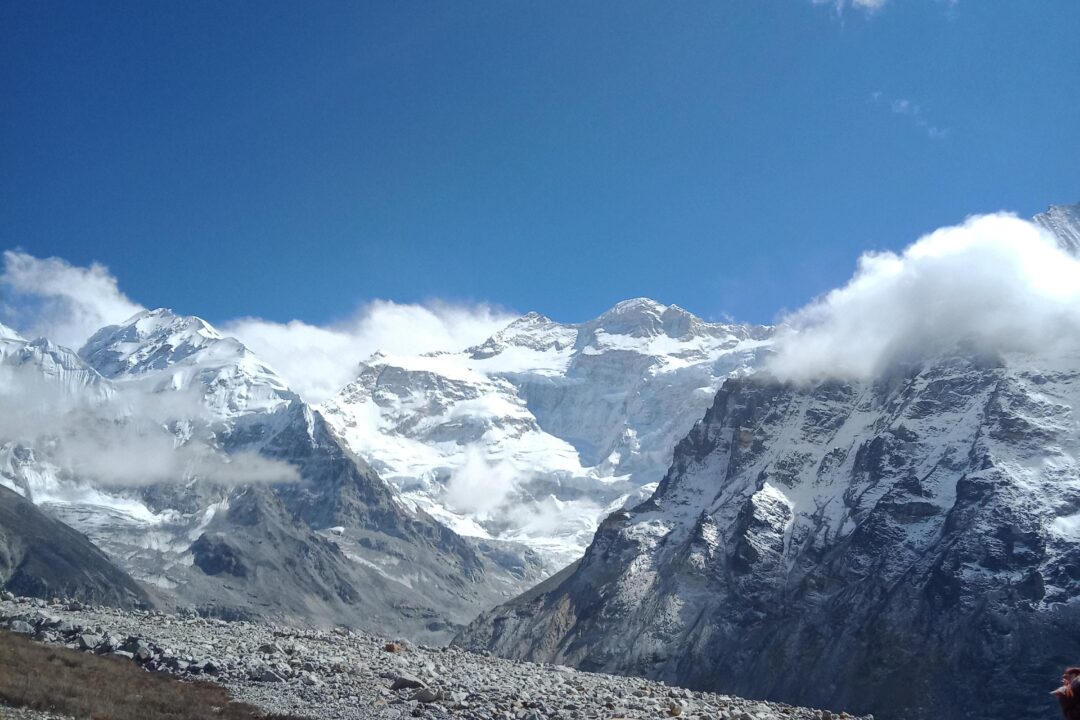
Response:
column 345, row 675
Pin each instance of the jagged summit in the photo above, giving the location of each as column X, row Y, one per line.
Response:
column 531, row 331
column 633, row 325
column 638, row 317
column 152, row 340
column 531, row 318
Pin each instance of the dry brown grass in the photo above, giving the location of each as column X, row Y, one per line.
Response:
column 81, row 685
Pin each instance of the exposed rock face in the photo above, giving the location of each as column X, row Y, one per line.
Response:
column 538, row 433
column 42, row 557
column 906, row 547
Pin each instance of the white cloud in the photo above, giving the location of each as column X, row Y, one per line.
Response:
column 997, row 282
column 512, row 502
column 52, row 298
column 131, row 456
column 481, row 487
column 912, row 111
column 867, row 5
column 317, row 361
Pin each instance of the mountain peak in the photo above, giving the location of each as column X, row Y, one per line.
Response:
column 531, row 330
column 636, row 317
column 150, row 322
column 153, row 340
column 531, row 318
column 635, row 306
column 178, row 352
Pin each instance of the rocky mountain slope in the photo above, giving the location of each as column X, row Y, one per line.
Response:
column 906, row 546
column 875, row 546
column 221, row 489
column 344, row 675
column 539, row 432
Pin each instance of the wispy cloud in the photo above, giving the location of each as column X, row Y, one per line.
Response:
column 121, row 438
column 52, row 298
column 318, row 360
column 912, row 111
column 842, row 5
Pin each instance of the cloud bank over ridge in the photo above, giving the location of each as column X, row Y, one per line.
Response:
column 995, row 282
column 318, row 360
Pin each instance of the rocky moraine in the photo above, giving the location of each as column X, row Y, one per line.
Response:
column 341, row 674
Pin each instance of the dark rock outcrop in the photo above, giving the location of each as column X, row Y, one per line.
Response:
column 42, row 557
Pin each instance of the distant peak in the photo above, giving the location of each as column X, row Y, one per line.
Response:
column 677, row 311
column 636, row 317
column 531, row 318
column 150, row 322
column 151, row 340
column 156, row 313
column 532, row 330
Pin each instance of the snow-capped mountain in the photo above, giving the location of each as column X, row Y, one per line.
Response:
column 872, row 545
column 907, row 546
column 539, row 432
column 168, row 352
column 194, row 466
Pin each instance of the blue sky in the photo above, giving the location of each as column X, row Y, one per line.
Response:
column 294, row 160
